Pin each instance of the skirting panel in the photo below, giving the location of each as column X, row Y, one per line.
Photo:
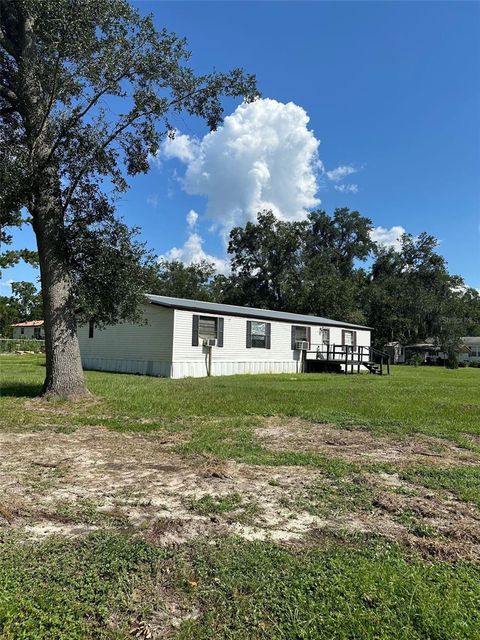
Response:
column 144, row 367
column 199, row 369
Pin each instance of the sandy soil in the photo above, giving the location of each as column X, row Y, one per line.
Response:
column 70, row 484
column 358, row 445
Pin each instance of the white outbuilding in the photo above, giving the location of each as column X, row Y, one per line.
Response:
column 471, row 352
column 31, row 329
column 178, row 338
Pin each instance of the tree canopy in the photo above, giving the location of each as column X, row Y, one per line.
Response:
column 329, row 266
column 87, row 92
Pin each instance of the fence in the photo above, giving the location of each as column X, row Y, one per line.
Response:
column 9, row 345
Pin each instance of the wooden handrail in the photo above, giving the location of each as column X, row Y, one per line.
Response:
column 348, row 355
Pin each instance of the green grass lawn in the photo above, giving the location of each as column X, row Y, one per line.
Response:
column 101, row 586
column 429, row 400
column 117, row 582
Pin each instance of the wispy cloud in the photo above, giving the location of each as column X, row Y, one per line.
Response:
column 152, row 200
column 340, row 172
column 347, row 188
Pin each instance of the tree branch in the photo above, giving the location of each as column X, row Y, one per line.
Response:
column 51, row 98
column 186, row 96
column 71, row 122
column 115, row 133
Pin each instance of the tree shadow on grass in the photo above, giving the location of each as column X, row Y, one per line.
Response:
column 19, row 390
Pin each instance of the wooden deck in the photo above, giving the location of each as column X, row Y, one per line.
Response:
column 345, row 358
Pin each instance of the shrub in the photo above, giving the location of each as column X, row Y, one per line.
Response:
column 9, row 345
column 415, row 359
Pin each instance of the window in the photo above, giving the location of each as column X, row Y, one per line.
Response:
column 207, row 328
column 300, row 334
column 325, row 336
column 91, row 327
column 258, row 334
column 36, row 333
column 22, row 331
column 349, row 338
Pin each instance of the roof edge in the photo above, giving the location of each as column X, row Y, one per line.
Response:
column 232, row 310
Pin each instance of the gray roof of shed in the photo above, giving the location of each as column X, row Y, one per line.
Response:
column 247, row 312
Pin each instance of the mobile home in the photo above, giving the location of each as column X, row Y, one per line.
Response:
column 179, row 338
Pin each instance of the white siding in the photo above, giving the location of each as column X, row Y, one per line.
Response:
column 131, row 348
column 28, row 333
column 474, row 344
column 234, row 357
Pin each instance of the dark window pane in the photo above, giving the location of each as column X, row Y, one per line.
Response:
column 259, row 335
column 207, row 328
column 300, row 334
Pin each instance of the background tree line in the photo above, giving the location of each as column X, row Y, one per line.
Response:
column 329, row 266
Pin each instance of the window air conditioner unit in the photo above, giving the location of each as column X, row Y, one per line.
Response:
column 301, row 345
column 209, row 342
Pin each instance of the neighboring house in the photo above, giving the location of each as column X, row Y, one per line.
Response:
column 31, row 329
column 468, row 351
column 179, row 338
column 472, row 351
column 401, row 353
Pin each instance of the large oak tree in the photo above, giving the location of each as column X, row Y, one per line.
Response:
column 86, row 91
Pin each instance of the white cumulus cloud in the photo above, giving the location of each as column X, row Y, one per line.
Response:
column 388, row 237
column 192, row 217
column 181, row 147
column 192, row 250
column 262, row 157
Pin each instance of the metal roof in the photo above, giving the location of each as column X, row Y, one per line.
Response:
column 247, row 312
column 28, row 323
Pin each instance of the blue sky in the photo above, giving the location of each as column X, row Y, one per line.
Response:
column 391, row 91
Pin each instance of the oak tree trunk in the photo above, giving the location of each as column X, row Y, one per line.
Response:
column 64, row 373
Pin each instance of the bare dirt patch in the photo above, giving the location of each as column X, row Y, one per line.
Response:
column 72, row 483
column 358, row 445
column 99, row 472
